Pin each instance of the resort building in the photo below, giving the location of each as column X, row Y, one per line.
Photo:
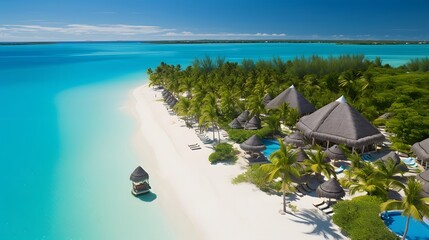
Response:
column 294, row 99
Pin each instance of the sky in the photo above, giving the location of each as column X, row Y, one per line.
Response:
column 103, row 20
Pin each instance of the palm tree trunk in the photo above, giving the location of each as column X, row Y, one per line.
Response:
column 406, row 228
column 284, row 196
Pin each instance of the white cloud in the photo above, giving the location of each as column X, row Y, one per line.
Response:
column 21, row 32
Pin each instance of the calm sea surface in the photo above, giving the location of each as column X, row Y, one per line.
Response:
column 65, row 132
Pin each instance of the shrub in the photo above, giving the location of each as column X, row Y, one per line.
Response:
column 223, row 152
column 255, row 175
column 241, row 135
column 359, row 218
column 379, row 122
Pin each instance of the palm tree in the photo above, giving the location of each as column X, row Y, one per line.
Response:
column 365, row 179
column 283, row 165
column 273, row 122
column 387, row 171
column 210, row 113
column 413, row 205
column 183, row 108
column 317, row 163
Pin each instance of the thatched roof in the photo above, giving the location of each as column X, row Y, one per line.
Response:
column 242, row 118
column 339, row 122
column 267, row 98
column 335, row 152
column 296, row 139
column 396, row 159
column 235, row 124
column 253, row 124
column 294, row 99
column 421, row 149
column 425, row 190
column 253, row 144
column 301, row 155
column 424, row 177
column 330, row 189
column 139, row 175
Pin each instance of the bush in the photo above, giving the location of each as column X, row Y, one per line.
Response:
column 241, row 135
column 359, row 218
column 379, row 122
column 255, row 175
column 223, row 152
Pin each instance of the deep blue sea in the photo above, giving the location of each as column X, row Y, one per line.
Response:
column 66, row 132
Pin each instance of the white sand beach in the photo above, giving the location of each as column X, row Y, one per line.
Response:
column 199, row 198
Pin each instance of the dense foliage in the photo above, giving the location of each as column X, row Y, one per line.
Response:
column 359, row 218
column 223, row 152
column 241, row 135
column 218, row 90
column 254, row 174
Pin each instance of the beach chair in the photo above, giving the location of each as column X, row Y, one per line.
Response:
column 324, row 206
column 317, row 204
column 328, row 211
column 301, row 189
column 306, row 187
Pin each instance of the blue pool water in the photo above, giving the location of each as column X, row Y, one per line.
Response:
column 416, row 230
column 272, row 146
column 66, row 132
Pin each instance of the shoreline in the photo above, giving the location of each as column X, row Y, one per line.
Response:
column 204, row 202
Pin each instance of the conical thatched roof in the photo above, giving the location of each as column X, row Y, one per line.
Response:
column 139, row 175
column 340, row 123
column 301, row 155
column 425, row 190
column 242, row 118
column 267, row 98
column 421, row 149
column 253, row 144
column 295, row 100
column 235, row 124
column 296, row 139
column 253, row 124
column 330, row 189
column 335, row 152
column 424, row 177
column 396, row 159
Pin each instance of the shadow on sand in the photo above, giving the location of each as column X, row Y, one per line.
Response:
column 147, row 197
column 323, row 225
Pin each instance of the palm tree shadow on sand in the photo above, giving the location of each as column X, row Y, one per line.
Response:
column 147, row 197
column 323, row 226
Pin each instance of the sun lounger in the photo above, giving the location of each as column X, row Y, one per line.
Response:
column 195, row 148
column 317, row 204
column 306, row 187
column 301, row 189
column 193, row 145
column 328, row 211
column 324, row 206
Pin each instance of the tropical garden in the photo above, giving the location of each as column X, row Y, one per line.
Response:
column 212, row 92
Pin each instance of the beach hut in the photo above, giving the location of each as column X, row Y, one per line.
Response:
column 294, row 99
column 235, row 124
column 330, row 189
column 338, row 122
column 253, row 144
column 396, row 159
column 267, row 98
column 253, row 124
column 423, row 177
column 242, row 118
column 335, row 153
column 296, row 139
column 140, row 179
column 421, row 150
column 301, row 155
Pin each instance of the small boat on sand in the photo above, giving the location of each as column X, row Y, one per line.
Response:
column 140, row 179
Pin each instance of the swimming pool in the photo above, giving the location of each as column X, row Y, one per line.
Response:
column 272, row 146
column 416, row 230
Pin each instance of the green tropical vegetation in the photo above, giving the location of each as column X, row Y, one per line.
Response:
column 223, row 152
column 413, row 205
column 317, row 164
column 217, row 90
column 359, row 219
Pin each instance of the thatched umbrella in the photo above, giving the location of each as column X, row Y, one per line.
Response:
column 301, row 155
column 335, row 153
column 296, row 139
column 253, row 144
column 339, row 122
column 267, row 98
column 330, row 189
column 424, row 177
column 396, row 159
column 425, row 190
column 235, row 124
column 294, row 99
column 242, row 118
column 421, row 150
column 253, row 124
column 139, row 175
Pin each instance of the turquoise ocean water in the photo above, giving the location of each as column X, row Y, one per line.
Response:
column 65, row 132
